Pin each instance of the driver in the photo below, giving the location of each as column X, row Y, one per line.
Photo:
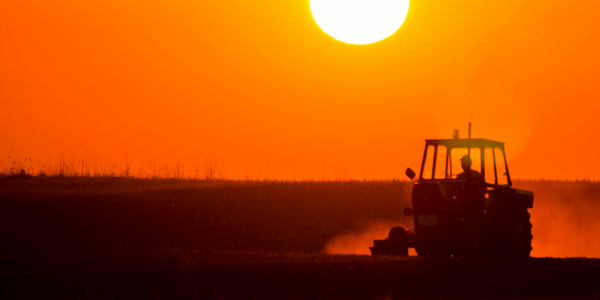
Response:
column 466, row 166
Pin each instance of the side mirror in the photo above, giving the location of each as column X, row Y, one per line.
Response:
column 408, row 211
column 410, row 173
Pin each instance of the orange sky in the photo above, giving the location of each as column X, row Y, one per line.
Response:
column 258, row 88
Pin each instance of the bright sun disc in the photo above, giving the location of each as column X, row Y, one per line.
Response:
column 359, row 21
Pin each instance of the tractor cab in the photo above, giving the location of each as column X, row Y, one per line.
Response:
column 443, row 161
column 463, row 204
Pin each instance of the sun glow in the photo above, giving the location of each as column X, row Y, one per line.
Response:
column 359, row 21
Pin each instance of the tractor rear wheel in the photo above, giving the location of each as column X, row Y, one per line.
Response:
column 522, row 235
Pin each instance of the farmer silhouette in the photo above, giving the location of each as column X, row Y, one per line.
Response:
column 466, row 166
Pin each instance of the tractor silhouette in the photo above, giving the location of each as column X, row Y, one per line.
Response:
column 463, row 204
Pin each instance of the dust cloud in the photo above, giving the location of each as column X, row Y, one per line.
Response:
column 565, row 217
column 359, row 242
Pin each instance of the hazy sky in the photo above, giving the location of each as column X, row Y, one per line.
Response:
column 257, row 88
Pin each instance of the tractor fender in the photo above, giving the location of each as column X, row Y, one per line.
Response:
column 525, row 198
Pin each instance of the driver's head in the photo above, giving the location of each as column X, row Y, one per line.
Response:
column 466, row 162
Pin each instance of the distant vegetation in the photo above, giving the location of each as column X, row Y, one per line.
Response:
column 74, row 166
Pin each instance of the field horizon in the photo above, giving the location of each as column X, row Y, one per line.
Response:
column 86, row 167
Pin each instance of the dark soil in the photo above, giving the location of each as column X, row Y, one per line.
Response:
column 107, row 238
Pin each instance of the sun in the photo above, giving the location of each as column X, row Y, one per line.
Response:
column 359, row 21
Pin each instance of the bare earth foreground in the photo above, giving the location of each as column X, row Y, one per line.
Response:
column 111, row 238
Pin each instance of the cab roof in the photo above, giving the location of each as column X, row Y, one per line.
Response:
column 465, row 143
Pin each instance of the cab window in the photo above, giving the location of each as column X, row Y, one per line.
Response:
column 490, row 172
column 501, row 171
column 428, row 166
column 455, row 163
column 440, row 162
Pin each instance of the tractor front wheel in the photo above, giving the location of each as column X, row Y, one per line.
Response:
column 398, row 240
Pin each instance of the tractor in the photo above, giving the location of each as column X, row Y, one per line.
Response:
column 463, row 204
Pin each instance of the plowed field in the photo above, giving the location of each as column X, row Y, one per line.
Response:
column 111, row 238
